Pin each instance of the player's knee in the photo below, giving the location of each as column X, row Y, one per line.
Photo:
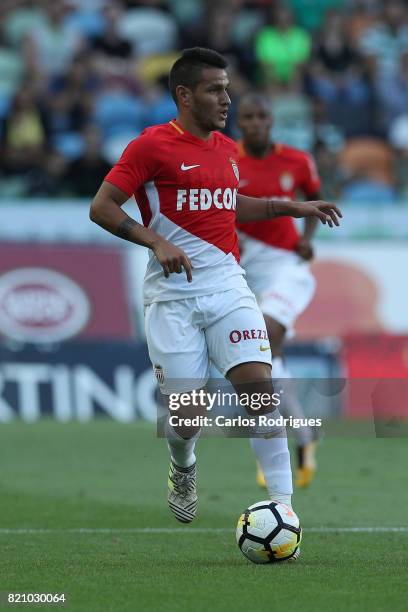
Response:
column 248, row 373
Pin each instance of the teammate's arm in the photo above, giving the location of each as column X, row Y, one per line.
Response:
column 106, row 211
column 259, row 209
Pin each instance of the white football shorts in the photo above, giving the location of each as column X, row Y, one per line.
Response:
column 284, row 287
column 184, row 336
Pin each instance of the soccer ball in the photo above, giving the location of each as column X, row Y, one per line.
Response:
column 269, row 532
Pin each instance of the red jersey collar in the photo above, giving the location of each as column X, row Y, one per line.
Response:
column 182, row 131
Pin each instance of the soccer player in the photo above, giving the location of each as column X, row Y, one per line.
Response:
column 274, row 254
column 184, row 176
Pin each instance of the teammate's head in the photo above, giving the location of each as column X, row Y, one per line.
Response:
column 198, row 83
column 255, row 121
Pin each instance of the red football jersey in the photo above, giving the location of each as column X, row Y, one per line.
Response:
column 186, row 189
column 281, row 174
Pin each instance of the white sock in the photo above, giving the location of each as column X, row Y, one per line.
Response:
column 290, row 405
column 274, row 459
column 181, row 449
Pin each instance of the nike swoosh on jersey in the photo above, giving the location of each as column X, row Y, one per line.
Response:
column 264, row 348
column 184, row 167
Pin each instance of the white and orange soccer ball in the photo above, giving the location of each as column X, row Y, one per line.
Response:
column 269, row 532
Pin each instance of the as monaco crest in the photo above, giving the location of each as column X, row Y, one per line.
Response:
column 287, row 181
column 235, row 168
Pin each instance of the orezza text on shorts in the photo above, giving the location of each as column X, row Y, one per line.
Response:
column 247, row 334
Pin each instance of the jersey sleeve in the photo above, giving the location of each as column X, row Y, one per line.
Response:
column 311, row 182
column 137, row 165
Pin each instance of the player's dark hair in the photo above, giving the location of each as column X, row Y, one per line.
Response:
column 187, row 69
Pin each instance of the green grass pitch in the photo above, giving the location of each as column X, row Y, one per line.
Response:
column 106, row 476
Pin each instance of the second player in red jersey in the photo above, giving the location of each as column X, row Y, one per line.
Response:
column 274, row 253
column 281, row 173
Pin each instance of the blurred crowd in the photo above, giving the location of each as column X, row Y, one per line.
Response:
column 80, row 78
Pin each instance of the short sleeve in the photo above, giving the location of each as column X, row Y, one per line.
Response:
column 311, row 183
column 137, row 165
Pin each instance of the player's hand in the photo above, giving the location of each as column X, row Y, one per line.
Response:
column 326, row 212
column 172, row 259
column 304, row 249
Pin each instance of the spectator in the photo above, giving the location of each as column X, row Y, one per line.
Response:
column 21, row 18
column 47, row 178
column 149, row 30
column 85, row 174
column 281, row 47
column 338, row 77
column 24, row 133
column 361, row 16
column 160, row 106
column 392, row 93
column 292, row 115
column 11, row 70
column 86, row 19
column 53, row 45
column 119, row 111
column 333, row 50
column 71, row 96
column 248, row 21
column 387, row 41
column 111, row 43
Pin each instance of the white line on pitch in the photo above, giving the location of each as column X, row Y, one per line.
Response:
column 187, row 530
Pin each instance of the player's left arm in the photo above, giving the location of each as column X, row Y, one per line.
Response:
column 260, row 209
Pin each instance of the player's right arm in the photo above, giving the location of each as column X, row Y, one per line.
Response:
column 106, row 210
